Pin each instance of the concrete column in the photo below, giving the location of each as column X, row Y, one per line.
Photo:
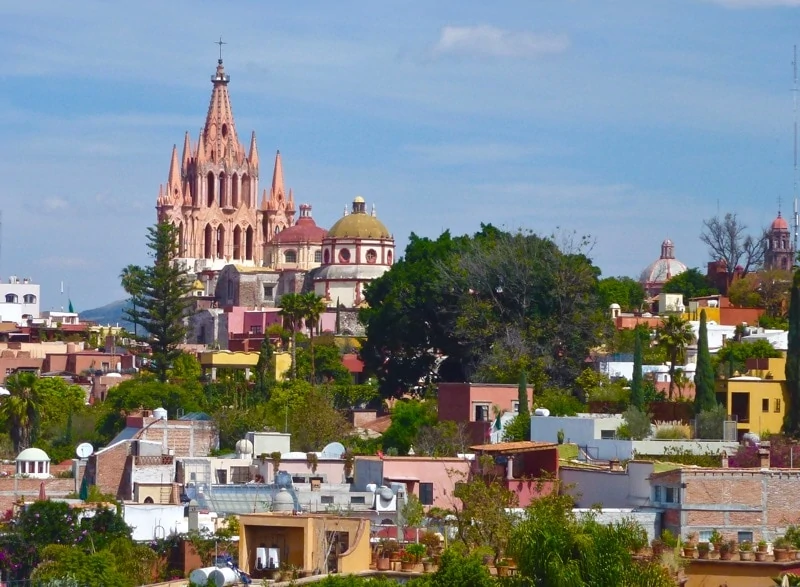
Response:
column 510, row 468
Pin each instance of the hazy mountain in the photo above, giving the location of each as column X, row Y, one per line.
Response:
column 110, row 314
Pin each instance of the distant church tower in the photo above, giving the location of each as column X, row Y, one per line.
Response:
column 779, row 253
column 211, row 193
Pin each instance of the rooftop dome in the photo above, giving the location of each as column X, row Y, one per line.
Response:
column 305, row 230
column 779, row 223
column 33, row 454
column 664, row 268
column 244, row 447
column 359, row 224
column 283, row 501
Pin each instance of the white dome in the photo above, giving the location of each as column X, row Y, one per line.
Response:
column 614, row 306
column 283, row 501
column 244, row 447
column 33, row 455
column 661, row 270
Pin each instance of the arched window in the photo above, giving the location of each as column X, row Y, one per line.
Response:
column 248, row 244
column 290, row 256
column 237, row 243
column 210, row 185
column 245, row 190
column 223, row 190
column 11, row 298
column 220, row 242
column 389, row 258
column 29, row 299
column 372, row 256
column 327, row 257
column 235, row 191
column 148, row 499
column 208, row 242
column 317, row 256
column 344, row 256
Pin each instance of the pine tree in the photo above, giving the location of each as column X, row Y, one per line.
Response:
column 637, row 387
column 164, row 289
column 705, row 396
column 791, row 425
column 524, row 409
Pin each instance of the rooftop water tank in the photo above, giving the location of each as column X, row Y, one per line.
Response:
column 541, row 412
column 160, row 414
column 283, row 501
column 200, row 576
column 223, row 576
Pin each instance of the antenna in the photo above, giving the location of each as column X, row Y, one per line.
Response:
column 796, row 216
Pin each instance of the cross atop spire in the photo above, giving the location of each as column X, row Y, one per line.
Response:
column 220, row 43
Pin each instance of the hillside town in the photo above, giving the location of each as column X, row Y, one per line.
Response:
column 290, row 399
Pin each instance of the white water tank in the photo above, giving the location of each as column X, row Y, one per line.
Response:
column 160, row 414
column 200, row 576
column 541, row 412
column 223, row 576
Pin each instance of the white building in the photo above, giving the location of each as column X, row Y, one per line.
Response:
column 19, row 300
column 356, row 250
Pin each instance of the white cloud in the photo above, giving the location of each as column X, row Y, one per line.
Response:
column 496, row 42
column 53, row 204
column 756, row 3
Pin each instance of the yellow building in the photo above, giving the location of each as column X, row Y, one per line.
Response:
column 247, row 360
column 757, row 400
column 313, row 543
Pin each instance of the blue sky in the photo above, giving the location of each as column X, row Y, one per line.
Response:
column 630, row 121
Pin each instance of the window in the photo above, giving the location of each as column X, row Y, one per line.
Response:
column 268, row 291
column 290, row 256
column 657, row 494
column 705, row 535
column 327, row 499
column 327, row 257
column 608, row 434
column 426, row 493
column 11, row 298
column 778, row 406
column 671, row 495
column 29, row 299
column 357, row 500
column 515, row 407
column 765, row 405
column 744, row 537
column 255, row 330
column 482, row 413
column 344, row 256
column 240, row 474
column 317, row 256
column 372, row 256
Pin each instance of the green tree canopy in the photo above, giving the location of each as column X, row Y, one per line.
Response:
column 674, row 334
column 626, row 292
column 733, row 355
column 408, row 418
column 691, row 283
column 21, row 411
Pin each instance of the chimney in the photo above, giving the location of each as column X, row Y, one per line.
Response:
column 763, row 457
column 724, row 460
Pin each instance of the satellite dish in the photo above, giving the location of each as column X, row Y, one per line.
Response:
column 334, row 450
column 84, row 450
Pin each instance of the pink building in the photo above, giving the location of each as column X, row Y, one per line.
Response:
column 329, row 470
column 473, row 403
column 431, row 479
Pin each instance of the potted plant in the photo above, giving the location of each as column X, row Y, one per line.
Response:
column 312, row 460
column 780, row 548
column 349, row 461
column 703, row 549
column 503, row 566
column 275, row 457
column 427, row 565
column 390, row 549
column 761, row 553
column 726, row 549
column 746, row 551
column 716, row 540
column 407, row 562
column 417, row 553
column 658, row 547
column 690, row 546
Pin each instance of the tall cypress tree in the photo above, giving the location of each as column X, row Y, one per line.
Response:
column 164, row 289
column 705, row 397
column 637, row 388
column 524, row 408
column 791, row 424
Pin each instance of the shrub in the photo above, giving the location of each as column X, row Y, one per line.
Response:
column 638, row 423
column 709, row 424
column 671, row 431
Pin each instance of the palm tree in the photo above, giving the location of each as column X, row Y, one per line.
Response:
column 132, row 278
column 293, row 311
column 20, row 411
column 675, row 334
column 313, row 308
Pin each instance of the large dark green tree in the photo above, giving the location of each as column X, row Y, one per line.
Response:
column 626, row 292
column 691, row 283
column 705, row 396
column 132, row 278
column 637, row 382
column 21, row 411
column 791, row 423
column 162, row 290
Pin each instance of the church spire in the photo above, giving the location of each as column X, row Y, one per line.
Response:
column 187, row 151
column 277, row 178
column 253, row 156
column 219, row 132
column 174, row 178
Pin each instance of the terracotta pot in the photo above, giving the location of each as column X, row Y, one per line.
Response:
column 781, row 554
column 503, row 572
column 702, row 554
column 407, row 566
column 725, row 556
column 762, row 548
column 746, row 555
column 427, row 567
column 760, row 556
column 383, row 564
column 688, row 551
